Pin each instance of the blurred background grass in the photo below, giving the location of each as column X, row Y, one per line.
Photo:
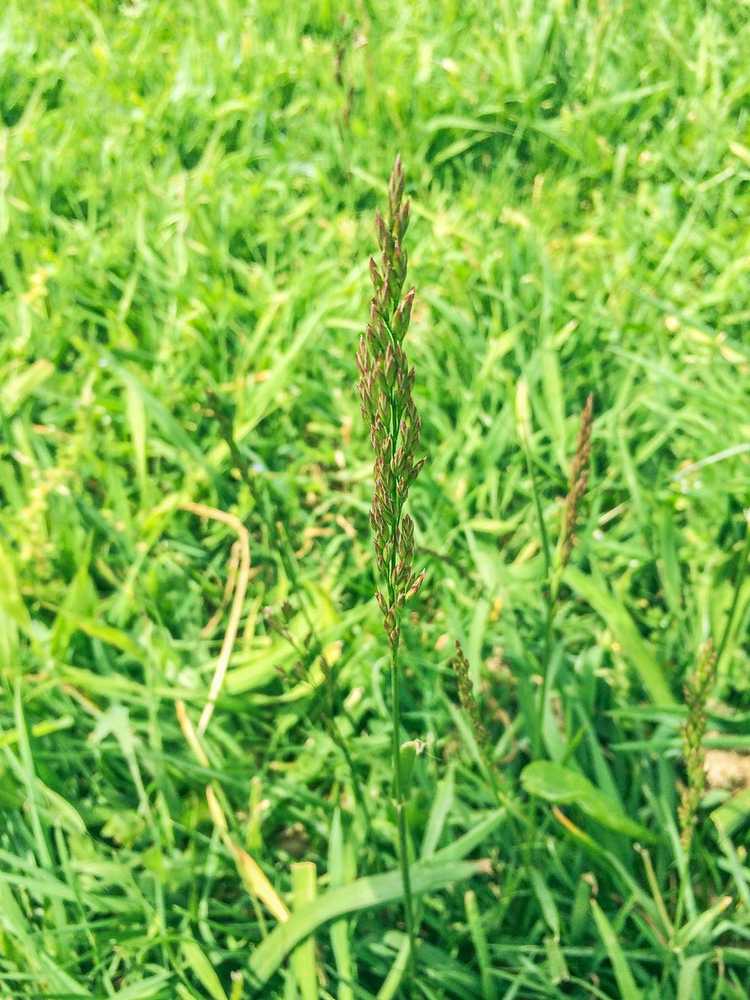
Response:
column 186, row 202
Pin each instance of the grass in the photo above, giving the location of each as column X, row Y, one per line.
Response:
column 186, row 204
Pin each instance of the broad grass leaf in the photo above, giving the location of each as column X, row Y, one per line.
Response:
column 689, row 982
column 363, row 894
column 563, row 786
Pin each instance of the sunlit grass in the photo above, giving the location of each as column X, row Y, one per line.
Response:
column 186, row 202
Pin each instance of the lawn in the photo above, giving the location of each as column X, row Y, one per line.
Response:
column 196, row 781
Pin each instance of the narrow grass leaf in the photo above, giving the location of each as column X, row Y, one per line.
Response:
column 147, row 989
column 733, row 813
column 623, row 975
column 11, row 600
column 304, row 886
column 135, row 409
column 441, row 807
column 623, row 628
column 479, row 939
column 338, row 865
column 472, row 838
column 546, row 901
column 106, row 633
column 202, row 969
column 267, row 397
column 700, row 926
column 169, row 426
column 396, row 973
column 14, row 923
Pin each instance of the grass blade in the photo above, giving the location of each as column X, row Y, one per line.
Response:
column 362, row 894
column 202, row 969
column 561, row 785
column 479, row 938
column 624, row 630
column 623, row 975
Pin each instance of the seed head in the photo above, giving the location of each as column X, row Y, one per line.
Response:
column 579, row 474
column 697, row 690
column 466, row 696
column 385, row 388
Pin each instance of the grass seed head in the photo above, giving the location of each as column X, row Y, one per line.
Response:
column 579, row 474
column 385, row 387
column 698, row 687
column 466, row 696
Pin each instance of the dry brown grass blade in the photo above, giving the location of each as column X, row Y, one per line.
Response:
column 243, row 576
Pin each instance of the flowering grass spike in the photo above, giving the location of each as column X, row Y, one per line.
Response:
column 579, row 475
column 385, row 386
column 697, row 690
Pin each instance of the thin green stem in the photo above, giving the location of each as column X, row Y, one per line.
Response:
column 329, row 719
column 399, row 795
column 400, row 801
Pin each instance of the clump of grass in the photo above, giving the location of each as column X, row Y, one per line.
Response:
column 697, row 689
column 385, row 387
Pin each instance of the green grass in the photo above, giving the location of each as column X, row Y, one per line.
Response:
column 186, row 203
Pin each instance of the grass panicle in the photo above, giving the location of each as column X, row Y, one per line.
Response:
column 466, row 697
column 385, row 388
column 578, row 481
column 698, row 687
